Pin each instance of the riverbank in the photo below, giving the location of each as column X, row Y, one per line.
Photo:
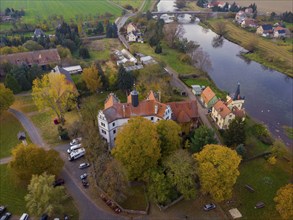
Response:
column 275, row 55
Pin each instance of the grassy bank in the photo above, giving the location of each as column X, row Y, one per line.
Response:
column 9, row 127
column 169, row 56
column 272, row 54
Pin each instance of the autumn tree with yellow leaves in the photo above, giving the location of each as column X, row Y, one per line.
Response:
column 137, row 147
column 217, row 169
column 92, row 78
column 53, row 91
column 284, row 200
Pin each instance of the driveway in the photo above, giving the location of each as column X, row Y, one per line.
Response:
column 88, row 210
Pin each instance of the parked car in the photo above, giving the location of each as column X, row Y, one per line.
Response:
column 58, row 182
column 259, row 205
column 24, row 216
column 2, row 209
column 75, row 141
column 83, row 176
column 6, row 216
column 44, row 217
column 85, row 183
column 208, row 207
column 83, row 165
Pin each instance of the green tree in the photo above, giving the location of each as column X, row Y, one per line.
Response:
column 42, row 197
column 29, row 160
column 6, row 98
column 100, row 28
column 84, row 53
column 217, row 170
column 11, row 83
column 170, row 140
column 284, row 201
column 158, row 186
column 235, row 134
column 92, row 79
column 53, row 91
column 158, row 48
column 32, row 45
column 241, row 150
column 114, row 180
column 125, row 79
column 137, row 147
column 180, row 169
column 202, row 136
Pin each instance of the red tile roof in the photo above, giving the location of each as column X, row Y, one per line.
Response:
column 185, row 111
column 39, row 57
column 222, row 109
column 238, row 112
column 207, row 94
column 111, row 100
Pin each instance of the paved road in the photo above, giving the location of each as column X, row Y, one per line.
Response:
column 203, row 113
column 29, row 127
column 88, row 210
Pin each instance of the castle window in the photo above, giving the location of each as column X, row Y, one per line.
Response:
column 113, row 124
column 103, row 124
column 152, row 118
column 114, row 131
column 104, row 132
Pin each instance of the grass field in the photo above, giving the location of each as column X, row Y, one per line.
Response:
column 268, row 53
column 134, row 3
column 169, row 56
column 136, row 199
column 36, row 10
column 12, row 196
column 9, row 127
column 205, row 82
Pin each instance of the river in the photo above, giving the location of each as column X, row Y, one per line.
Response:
column 268, row 93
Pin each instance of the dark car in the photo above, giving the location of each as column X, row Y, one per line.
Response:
column 6, row 216
column 83, row 176
column 58, row 182
column 208, row 207
column 85, row 183
column 44, row 217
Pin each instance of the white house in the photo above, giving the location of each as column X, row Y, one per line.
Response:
column 73, row 69
column 132, row 37
column 131, row 28
column 116, row 114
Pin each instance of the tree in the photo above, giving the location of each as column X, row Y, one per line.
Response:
column 84, row 53
column 29, row 160
column 100, row 28
column 53, row 91
column 241, row 150
column 235, row 134
column 42, row 197
column 158, row 48
column 217, row 170
column 221, row 28
column 115, row 30
column 172, row 32
column 11, row 83
column 202, row 136
column 20, row 74
column 32, row 45
column 114, row 180
column 284, row 201
column 149, row 15
column 180, row 169
column 92, row 79
column 180, row 4
column 104, row 79
column 137, row 147
column 170, row 140
column 109, row 31
column 201, row 3
column 200, row 59
column 6, row 98
column 125, row 79
column 158, row 186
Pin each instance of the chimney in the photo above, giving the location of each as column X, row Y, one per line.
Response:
column 156, row 109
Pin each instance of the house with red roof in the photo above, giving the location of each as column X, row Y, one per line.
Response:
column 208, row 97
column 224, row 112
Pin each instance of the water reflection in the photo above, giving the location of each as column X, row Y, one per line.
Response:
column 217, row 41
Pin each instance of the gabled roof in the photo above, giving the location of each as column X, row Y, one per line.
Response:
column 222, row 109
column 111, row 100
column 207, row 94
column 127, row 110
column 281, row 31
column 152, row 96
column 279, row 28
column 39, row 57
column 185, row 111
column 238, row 112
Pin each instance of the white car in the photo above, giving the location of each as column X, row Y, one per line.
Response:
column 83, row 165
column 75, row 141
column 83, row 176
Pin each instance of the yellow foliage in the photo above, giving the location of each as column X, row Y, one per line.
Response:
column 10, row 50
column 272, row 160
column 284, row 200
column 137, row 147
column 55, row 92
column 92, row 78
column 217, row 170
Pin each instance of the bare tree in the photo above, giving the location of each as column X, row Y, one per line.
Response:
column 252, row 44
column 221, row 28
column 172, row 32
column 201, row 59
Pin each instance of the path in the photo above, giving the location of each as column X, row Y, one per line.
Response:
column 203, row 113
column 88, row 209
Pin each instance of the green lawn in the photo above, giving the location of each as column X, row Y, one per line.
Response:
column 12, row 195
column 266, row 179
column 134, row 3
column 205, row 82
column 39, row 10
column 169, row 56
column 136, row 199
column 9, row 127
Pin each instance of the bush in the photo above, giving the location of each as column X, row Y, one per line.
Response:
column 63, row 133
column 272, row 160
column 241, row 150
